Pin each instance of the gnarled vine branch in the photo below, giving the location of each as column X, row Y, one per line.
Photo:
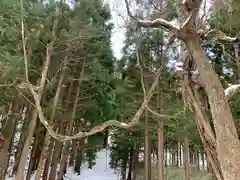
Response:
column 218, row 35
column 134, row 121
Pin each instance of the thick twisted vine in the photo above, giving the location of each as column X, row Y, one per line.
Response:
column 134, row 121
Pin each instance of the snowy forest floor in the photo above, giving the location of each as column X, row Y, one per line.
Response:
column 102, row 171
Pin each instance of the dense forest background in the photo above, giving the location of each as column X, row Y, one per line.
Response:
column 59, row 79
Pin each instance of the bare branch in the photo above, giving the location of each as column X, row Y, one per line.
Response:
column 160, row 12
column 24, row 43
column 218, row 35
column 232, row 90
column 144, row 89
column 157, row 23
column 141, row 72
column 129, row 12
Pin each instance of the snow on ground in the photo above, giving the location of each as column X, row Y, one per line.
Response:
column 101, row 171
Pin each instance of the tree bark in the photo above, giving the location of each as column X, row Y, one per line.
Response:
column 22, row 139
column 124, row 167
column 48, row 160
column 147, row 151
column 73, row 150
column 57, row 150
column 209, row 168
column 191, row 157
column 181, row 155
column 66, row 148
column 203, row 161
column 79, row 157
column 160, row 150
column 36, row 151
column 105, row 140
column 47, row 136
column 166, row 157
column 226, row 135
column 177, row 155
column 130, row 167
column 8, row 133
column 172, row 157
column 135, row 162
column 33, row 121
column 236, row 70
column 211, row 151
column 198, row 165
column 22, row 111
column 227, row 142
column 56, row 155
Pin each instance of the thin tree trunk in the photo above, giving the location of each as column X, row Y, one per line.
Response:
column 198, row 163
column 172, row 157
column 190, row 157
column 203, row 161
column 236, row 64
column 181, row 152
column 178, row 153
column 47, row 136
column 56, row 155
column 35, row 152
column 73, row 150
column 160, row 150
column 105, row 140
column 12, row 146
column 147, row 153
column 48, row 160
column 26, row 146
column 167, row 163
column 66, row 148
column 159, row 103
column 186, row 158
column 149, row 156
column 195, row 158
column 57, row 149
column 78, row 161
column 124, row 167
column 177, row 156
column 43, row 156
column 130, row 167
column 8, row 133
column 135, row 162
column 33, row 121
column 22, row 139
